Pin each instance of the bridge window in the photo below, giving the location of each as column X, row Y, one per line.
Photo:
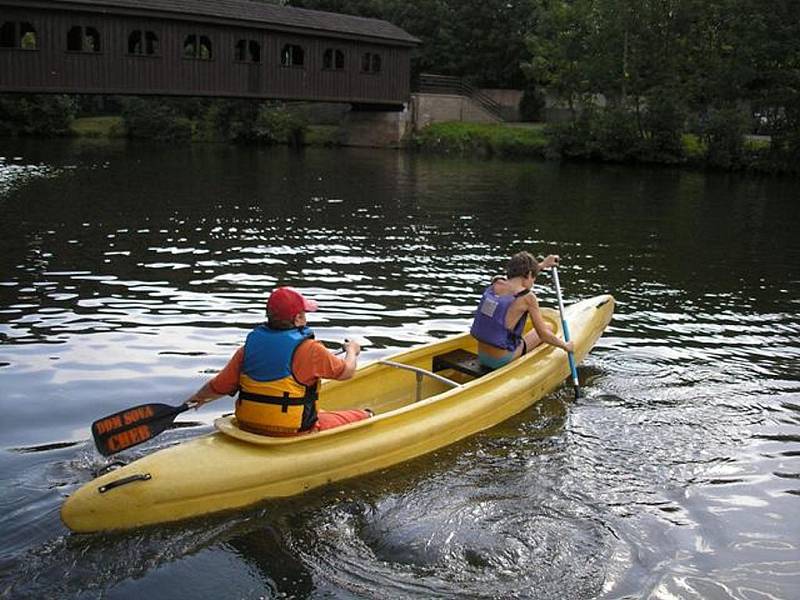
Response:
column 248, row 51
column 371, row 63
column 83, row 39
column 8, row 35
column 142, row 43
column 333, row 59
column 197, row 46
column 17, row 35
column 292, row 55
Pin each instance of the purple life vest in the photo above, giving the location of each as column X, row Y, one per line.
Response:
column 489, row 325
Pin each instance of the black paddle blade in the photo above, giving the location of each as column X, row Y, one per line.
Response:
column 132, row 426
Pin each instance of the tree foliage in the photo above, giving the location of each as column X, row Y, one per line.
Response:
column 38, row 115
column 719, row 67
column 154, row 119
column 480, row 40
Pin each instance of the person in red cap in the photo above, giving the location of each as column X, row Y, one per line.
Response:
column 278, row 371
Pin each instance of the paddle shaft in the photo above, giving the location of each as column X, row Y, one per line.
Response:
column 565, row 327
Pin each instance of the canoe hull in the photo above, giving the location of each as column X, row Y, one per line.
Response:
column 220, row 472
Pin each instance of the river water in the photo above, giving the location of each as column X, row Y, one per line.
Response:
column 130, row 273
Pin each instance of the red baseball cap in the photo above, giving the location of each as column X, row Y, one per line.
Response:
column 286, row 303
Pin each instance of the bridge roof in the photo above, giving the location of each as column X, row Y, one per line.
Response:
column 254, row 12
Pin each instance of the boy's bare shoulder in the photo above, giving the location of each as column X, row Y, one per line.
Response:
column 525, row 301
column 530, row 299
column 500, row 285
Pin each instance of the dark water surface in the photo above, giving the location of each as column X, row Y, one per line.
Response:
column 129, row 274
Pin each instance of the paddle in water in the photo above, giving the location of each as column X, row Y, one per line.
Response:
column 570, row 355
column 133, row 426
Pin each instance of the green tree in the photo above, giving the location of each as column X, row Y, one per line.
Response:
column 558, row 49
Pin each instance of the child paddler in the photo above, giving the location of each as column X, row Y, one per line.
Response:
column 500, row 319
column 278, row 371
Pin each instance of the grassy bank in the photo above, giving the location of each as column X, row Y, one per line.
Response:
column 98, row 127
column 483, row 139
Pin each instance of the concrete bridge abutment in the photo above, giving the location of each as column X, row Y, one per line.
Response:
column 377, row 129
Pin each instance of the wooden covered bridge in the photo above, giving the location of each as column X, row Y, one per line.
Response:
column 223, row 48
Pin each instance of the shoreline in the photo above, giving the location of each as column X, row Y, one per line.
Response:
column 480, row 141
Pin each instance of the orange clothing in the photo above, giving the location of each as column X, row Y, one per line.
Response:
column 311, row 362
column 328, row 419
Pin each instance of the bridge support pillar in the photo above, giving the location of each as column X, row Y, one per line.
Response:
column 380, row 129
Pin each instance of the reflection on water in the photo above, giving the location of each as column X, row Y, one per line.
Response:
column 131, row 273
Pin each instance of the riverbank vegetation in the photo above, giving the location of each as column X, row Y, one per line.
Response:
column 591, row 140
column 635, row 78
column 483, row 139
column 626, row 81
column 217, row 120
column 38, row 116
column 173, row 120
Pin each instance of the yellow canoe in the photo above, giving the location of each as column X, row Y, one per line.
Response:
column 424, row 399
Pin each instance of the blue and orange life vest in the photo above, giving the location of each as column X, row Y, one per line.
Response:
column 270, row 399
column 489, row 325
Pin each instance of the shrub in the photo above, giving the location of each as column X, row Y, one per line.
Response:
column 607, row 134
column 276, row 124
column 153, row 119
column 531, row 105
column 724, row 135
column 615, row 136
column 569, row 139
column 36, row 115
column 664, row 120
column 693, row 147
column 243, row 121
column 784, row 152
column 231, row 120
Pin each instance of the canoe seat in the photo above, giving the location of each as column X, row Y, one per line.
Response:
column 462, row 361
